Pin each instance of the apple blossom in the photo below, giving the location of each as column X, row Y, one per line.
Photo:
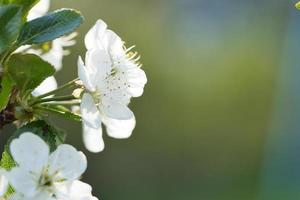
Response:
column 41, row 175
column 111, row 76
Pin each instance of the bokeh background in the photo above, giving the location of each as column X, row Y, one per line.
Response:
column 220, row 117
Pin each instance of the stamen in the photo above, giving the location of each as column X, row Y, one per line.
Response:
column 130, row 48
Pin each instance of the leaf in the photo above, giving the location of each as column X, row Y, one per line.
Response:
column 7, row 162
column 5, row 91
column 52, row 136
column 26, row 4
column 29, row 71
column 49, row 27
column 10, row 24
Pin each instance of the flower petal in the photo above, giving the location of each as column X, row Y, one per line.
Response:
column 55, row 55
column 85, row 75
column 92, row 138
column 23, row 181
column 75, row 190
column 100, row 63
column 3, row 183
column 115, row 45
column 47, row 85
column 42, row 195
column 116, row 110
column 96, row 32
column 89, row 111
column 136, row 79
column 30, row 152
column 119, row 129
column 39, row 10
column 68, row 162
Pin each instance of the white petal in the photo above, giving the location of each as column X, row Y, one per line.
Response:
column 85, row 75
column 30, row 152
column 116, row 110
column 92, row 138
column 100, row 63
column 89, row 111
column 119, row 129
column 96, row 32
column 80, row 189
column 47, row 85
column 3, row 183
column 55, row 54
column 75, row 190
column 23, row 181
column 17, row 196
column 68, row 162
column 22, row 49
column 137, row 80
column 43, row 195
column 115, row 45
column 39, row 10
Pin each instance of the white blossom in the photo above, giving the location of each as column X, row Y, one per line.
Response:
column 52, row 52
column 41, row 175
column 111, row 75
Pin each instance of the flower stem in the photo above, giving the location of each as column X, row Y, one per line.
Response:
column 61, row 88
column 68, row 103
column 62, row 98
column 65, row 114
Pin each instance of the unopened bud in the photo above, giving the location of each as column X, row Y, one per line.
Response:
column 79, row 83
column 77, row 93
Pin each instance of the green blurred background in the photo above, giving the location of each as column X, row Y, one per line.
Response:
column 219, row 119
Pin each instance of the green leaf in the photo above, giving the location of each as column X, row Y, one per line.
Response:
column 50, row 27
column 52, row 136
column 7, row 162
column 5, row 91
column 26, row 4
column 28, row 71
column 10, row 24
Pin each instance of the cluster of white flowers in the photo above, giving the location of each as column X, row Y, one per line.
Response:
column 110, row 76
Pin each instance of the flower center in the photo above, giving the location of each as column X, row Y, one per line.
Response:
column 46, row 180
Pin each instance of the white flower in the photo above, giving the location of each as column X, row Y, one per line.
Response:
column 52, row 52
column 41, row 175
column 54, row 56
column 3, row 183
column 111, row 76
column 75, row 190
